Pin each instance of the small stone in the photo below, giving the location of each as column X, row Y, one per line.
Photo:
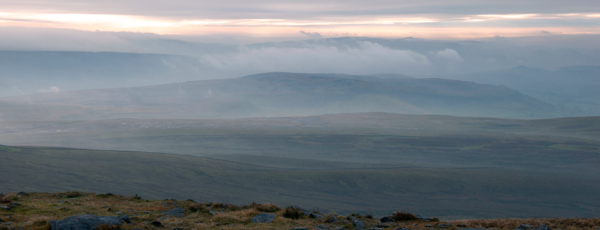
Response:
column 322, row 227
column 5, row 207
column 387, row 219
column 22, row 193
column 461, row 225
column 300, row 228
column 5, row 224
column 428, row 225
column 125, row 218
column 263, row 218
column 118, row 213
column 402, row 228
column 382, row 226
column 156, row 223
column 15, row 204
column 146, row 212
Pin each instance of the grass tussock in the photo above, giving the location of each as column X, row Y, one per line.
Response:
column 404, row 216
column 292, row 213
column 70, row 194
column 268, row 207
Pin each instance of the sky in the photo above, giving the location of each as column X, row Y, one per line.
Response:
column 432, row 19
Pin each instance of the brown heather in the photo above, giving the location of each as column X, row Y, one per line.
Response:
column 37, row 209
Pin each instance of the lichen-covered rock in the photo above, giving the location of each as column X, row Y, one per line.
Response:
column 543, row 227
column 176, row 212
column 125, row 218
column 263, row 218
column 84, row 222
column 387, row 219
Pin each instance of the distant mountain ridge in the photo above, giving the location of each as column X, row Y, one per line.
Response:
column 573, row 89
column 293, row 94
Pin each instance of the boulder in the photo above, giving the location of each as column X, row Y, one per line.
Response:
column 524, row 227
column 176, row 212
column 125, row 218
column 263, row 218
column 84, row 222
column 543, row 227
column 304, row 211
column 387, row 219
column 315, row 215
column 358, row 224
column 331, row 220
column 444, row 225
column 156, row 223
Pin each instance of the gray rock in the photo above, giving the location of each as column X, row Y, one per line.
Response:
column 5, row 207
column 477, row 229
column 524, row 227
column 444, row 225
column 304, row 211
column 358, row 224
column 125, row 218
column 22, row 193
column 331, row 220
column 5, row 224
column 156, row 223
column 402, row 228
column 322, row 227
column 373, row 229
column 543, row 227
column 15, row 204
column 382, row 226
column 176, row 212
column 315, row 215
column 118, row 213
column 146, row 212
column 300, row 228
column 426, row 219
column 428, row 225
column 83, row 222
column 263, row 218
column 387, row 219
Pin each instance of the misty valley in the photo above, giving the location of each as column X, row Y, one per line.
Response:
column 471, row 132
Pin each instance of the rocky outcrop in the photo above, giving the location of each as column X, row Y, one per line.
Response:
column 263, row 218
column 84, row 222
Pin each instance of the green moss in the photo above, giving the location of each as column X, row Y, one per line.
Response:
column 9, row 149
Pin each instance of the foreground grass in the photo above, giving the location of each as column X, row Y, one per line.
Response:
column 35, row 210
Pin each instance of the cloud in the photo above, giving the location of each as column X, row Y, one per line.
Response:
column 52, row 89
column 449, row 55
column 367, row 58
column 314, row 35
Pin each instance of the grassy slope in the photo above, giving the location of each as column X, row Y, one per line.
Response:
column 445, row 192
column 37, row 209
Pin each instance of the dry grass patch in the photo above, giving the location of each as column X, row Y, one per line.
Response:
column 554, row 223
column 404, row 216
